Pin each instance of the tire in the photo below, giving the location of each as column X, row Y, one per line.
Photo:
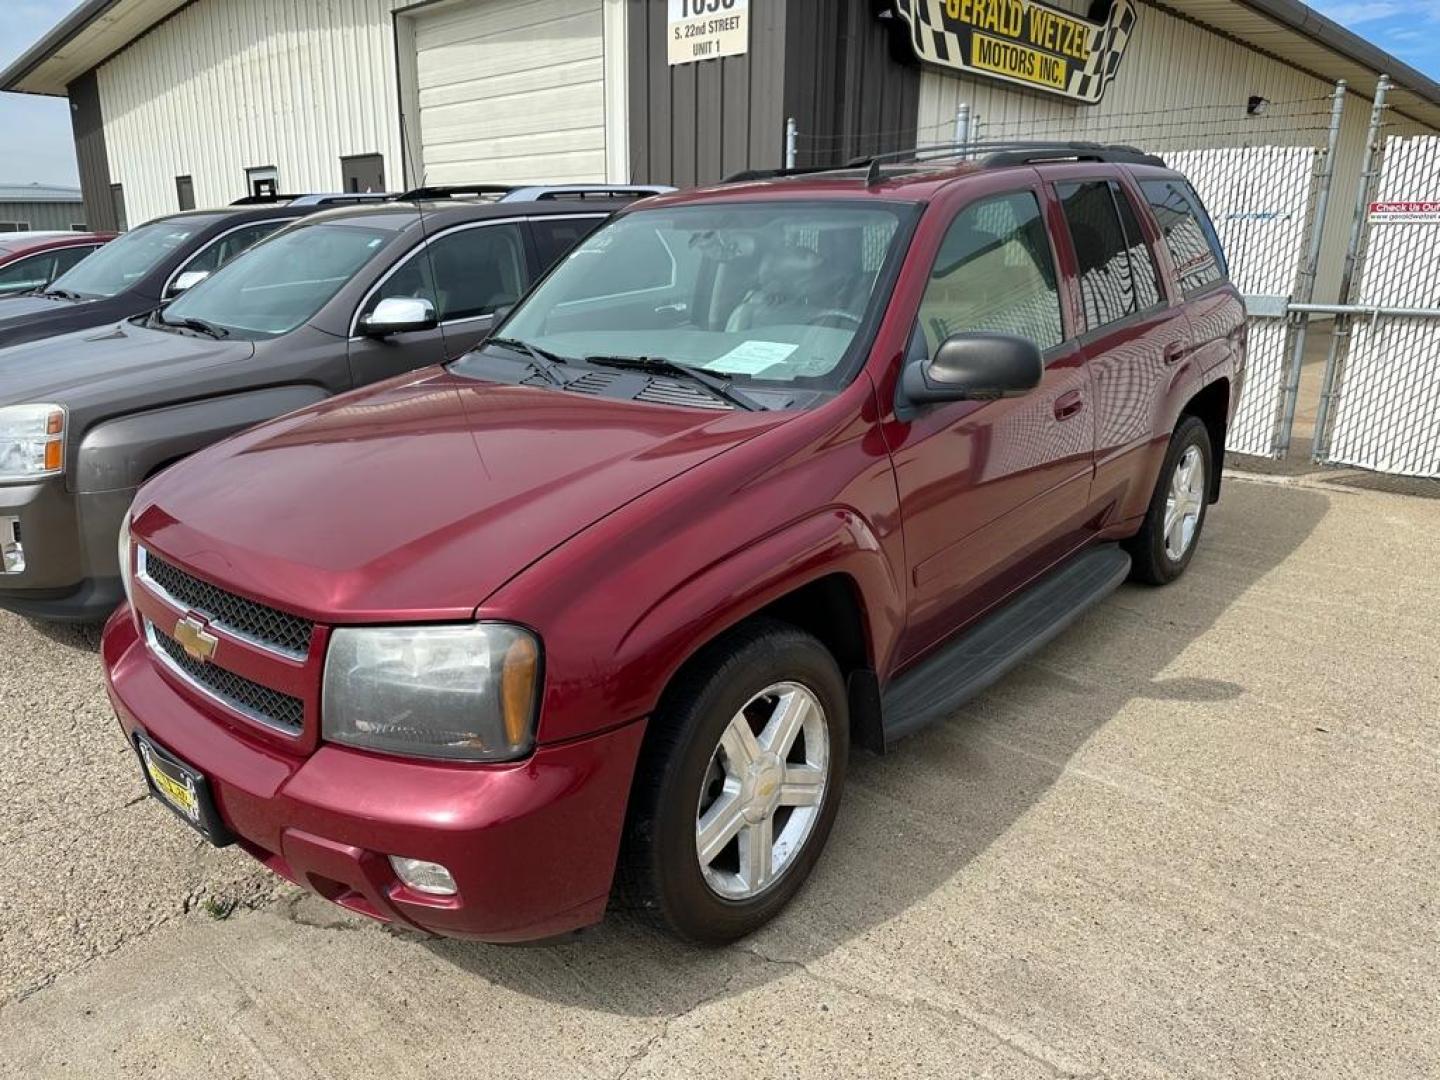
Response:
column 687, row 774
column 1158, row 558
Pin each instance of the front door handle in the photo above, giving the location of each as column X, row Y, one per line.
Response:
column 1068, row 405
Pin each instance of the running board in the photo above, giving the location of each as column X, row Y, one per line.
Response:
column 962, row 668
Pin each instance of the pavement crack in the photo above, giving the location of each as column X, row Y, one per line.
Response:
column 644, row 1050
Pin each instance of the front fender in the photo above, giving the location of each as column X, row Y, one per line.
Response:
column 611, row 651
column 119, row 454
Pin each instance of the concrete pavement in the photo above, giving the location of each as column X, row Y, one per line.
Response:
column 1196, row 836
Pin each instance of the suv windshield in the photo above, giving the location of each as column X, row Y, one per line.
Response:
column 280, row 282
column 127, row 259
column 769, row 292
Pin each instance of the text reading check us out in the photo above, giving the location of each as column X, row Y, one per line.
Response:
column 1021, row 21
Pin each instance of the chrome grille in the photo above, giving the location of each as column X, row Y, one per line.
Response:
column 250, row 699
column 277, row 630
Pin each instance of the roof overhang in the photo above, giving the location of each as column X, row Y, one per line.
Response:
column 84, row 39
column 1287, row 29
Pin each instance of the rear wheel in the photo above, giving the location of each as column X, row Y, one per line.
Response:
column 1166, row 542
column 738, row 785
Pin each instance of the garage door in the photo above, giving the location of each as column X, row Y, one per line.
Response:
column 511, row 90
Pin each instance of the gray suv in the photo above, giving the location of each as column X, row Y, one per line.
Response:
column 338, row 300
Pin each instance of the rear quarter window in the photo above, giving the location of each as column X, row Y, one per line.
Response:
column 1189, row 235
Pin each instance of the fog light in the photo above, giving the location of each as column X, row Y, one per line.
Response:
column 12, row 552
column 422, row 876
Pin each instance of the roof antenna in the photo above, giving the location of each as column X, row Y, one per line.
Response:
column 872, row 173
column 425, row 246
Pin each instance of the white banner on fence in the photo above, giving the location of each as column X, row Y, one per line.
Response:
column 1259, row 198
column 1387, row 408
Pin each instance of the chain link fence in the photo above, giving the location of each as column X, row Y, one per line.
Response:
column 1381, row 398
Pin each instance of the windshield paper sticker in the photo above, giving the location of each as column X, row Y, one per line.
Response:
column 1022, row 41
column 752, row 357
column 1414, row 211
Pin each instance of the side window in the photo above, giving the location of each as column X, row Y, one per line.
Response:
column 1189, row 235
column 1107, row 283
column 26, row 274
column 228, row 246
column 68, row 257
column 994, row 272
column 1142, row 263
column 465, row 274
column 555, row 236
column 478, row 270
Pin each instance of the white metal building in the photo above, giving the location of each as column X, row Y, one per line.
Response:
column 196, row 102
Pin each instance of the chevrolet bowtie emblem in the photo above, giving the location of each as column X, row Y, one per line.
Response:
column 198, row 644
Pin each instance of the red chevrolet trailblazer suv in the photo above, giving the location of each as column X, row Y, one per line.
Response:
column 755, row 474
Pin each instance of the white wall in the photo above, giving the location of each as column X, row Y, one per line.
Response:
column 1179, row 86
column 227, row 85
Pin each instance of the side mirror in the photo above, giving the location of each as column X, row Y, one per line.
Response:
column 185, row 282
column 974, row 367
column 399, row 315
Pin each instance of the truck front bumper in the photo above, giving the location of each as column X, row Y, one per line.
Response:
column 60, row 550
column 531, row 845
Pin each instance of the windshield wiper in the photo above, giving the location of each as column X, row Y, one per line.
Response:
column 544, row 361
column 58, row 294
column 658, row 365
column 200, row 326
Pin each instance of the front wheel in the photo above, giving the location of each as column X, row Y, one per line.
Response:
column 738, row 785
column 1166, row 542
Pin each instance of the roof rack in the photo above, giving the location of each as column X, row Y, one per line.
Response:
column 1008, row 152
column 427, row 194
column 543, row 192
column 341, row 198
column 982, row 153
column 537, row 192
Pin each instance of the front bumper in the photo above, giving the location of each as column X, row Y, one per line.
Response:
column 71, row 570
column 531, row 844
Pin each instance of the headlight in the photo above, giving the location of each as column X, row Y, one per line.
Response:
column 32, row 441
column 460, row 692
column 127, row 573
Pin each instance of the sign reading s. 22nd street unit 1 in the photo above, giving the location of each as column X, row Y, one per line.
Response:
column 1022, row 41
column 705, row 29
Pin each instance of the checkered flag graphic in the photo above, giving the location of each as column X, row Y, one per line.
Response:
column 1089, row 84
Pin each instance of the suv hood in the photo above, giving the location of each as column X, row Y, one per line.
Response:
column 17, row 307
column 418, row 498
column 109, row 366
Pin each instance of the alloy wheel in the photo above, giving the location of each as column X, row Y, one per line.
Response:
column 1184, row 503
column 762, row 791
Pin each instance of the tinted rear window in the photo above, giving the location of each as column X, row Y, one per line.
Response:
column 1189, row 235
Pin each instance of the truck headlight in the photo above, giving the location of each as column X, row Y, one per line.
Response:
column 127, row 571
column 32, row 442
column 466, row 693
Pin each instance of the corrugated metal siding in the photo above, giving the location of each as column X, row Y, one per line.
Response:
column 512, row 90
column 222, row 87
column 1179, row 85
column 44, row 216
column 695, row 123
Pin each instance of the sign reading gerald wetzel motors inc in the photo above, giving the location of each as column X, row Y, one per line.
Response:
column 1411, row 212
column 1022, row 41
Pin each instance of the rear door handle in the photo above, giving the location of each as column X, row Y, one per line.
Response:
column 1175, row 352
column 1068, row 404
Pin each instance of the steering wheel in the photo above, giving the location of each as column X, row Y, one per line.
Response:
column 834, row 313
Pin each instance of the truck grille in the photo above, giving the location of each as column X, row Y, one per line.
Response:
column 259, row 703
column 277, row 630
